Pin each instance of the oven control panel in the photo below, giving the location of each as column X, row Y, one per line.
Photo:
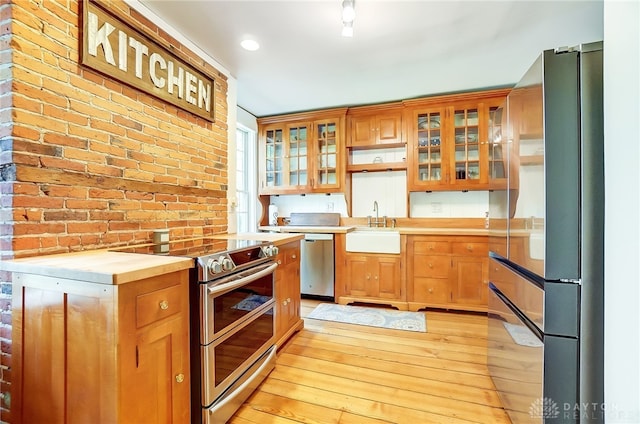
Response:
column 220, row 264
column 270, row 250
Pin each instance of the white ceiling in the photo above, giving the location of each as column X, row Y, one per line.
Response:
column 400, row 49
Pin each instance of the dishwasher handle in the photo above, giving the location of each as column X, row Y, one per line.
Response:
column 311, row 237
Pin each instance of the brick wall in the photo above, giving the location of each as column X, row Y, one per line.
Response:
column 86, row 162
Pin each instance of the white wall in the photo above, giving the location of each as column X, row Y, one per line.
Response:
column 247, row 119
column 622, row 229
column 310, row 203
column 388, row 189
column 449, row 204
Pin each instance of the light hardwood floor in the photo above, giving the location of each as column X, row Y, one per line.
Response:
column 340, row 373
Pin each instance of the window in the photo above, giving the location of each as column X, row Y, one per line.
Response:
column 246, row 186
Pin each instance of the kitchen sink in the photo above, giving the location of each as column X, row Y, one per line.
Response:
column 374, row 240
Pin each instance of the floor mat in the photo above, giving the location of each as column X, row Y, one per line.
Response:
column 373, row 317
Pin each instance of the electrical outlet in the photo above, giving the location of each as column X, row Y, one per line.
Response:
column 329, row 206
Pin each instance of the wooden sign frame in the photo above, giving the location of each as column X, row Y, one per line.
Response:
column 111, row 46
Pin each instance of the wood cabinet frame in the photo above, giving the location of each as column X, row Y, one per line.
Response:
column 310, row 120
column 389, row 288
column 378, row 125
column 446, row 106
column 449, row 272
column 287, row 292
column 89, row 352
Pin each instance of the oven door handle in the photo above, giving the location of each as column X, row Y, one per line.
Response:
column 213, row 290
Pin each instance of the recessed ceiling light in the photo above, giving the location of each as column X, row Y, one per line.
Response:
column 251, row 45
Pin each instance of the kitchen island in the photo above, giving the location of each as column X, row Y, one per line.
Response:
column 110, row 328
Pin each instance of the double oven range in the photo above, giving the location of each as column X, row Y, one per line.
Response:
column 232, row 310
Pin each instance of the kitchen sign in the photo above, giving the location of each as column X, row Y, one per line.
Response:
column 113, row 47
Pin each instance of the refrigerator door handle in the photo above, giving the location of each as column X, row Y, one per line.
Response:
column 522, row 317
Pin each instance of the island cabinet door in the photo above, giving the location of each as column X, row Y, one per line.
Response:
column 64, row 351
column 154, row 350
column 100, row 353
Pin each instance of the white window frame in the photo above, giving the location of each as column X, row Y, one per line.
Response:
column 246, row 179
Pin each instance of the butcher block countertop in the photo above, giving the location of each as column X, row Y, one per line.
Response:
column 319, row 229
column 108, row 267
column 427, row 231
column 98, row 266
column 275, row 238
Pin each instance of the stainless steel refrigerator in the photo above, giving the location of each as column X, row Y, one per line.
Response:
column 545, row 339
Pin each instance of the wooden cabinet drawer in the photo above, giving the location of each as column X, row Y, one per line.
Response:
column 432, row 266
column 470, row 249
column 157, row 305
column 431, row 290
column 431, row 247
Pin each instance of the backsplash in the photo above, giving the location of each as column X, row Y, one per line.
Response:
column 395, row 154
column 454, row 204
column 472, row 204
column 310, row 203
column 388, row 189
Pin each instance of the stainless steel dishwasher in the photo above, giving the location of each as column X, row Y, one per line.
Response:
column 317, row 266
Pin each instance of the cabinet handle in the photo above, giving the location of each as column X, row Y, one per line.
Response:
column 164, row 305
column 288, row 300
column 469, row 248
column 430, row 265
column 368, row 277
column 293, row 256
column 375, row 277
column 284, row 303
column 279, row 262
column 180, row 378
column 430, row 290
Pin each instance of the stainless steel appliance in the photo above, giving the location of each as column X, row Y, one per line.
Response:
column 317, row 262
column 546, row 318
column 317, row 266
column 232, row 327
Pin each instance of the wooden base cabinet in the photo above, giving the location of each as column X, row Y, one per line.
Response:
column 448, row 272
column 287, row 295
column 100, row 353
column 374, row 278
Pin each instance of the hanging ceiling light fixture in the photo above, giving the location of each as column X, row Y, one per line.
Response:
column 348, row 15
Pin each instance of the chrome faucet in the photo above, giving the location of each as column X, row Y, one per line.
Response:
column 377, row 221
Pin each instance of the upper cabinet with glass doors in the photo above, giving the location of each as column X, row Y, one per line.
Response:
column 499, row 146
column 427, row 167
column 449, row 140
column 301, row 153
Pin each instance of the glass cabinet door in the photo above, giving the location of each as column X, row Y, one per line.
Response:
column 297, row 155
column 497, row 139
column 429, row 147
column 327, row 151
column 467, row 144
column 274, row 158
